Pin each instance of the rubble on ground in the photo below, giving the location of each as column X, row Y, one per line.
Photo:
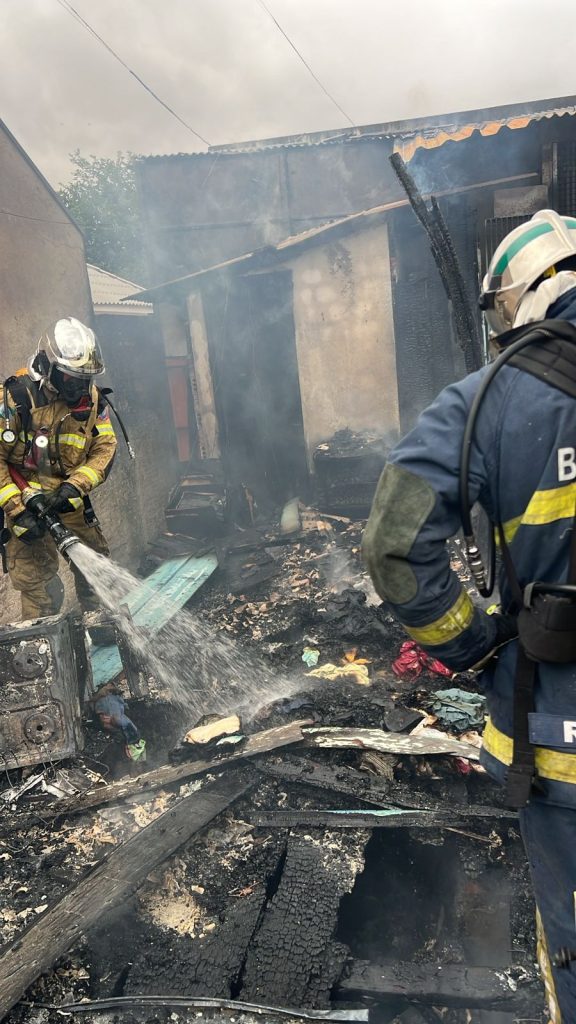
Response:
column 278, row 901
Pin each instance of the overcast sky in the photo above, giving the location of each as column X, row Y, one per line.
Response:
column 226, row 69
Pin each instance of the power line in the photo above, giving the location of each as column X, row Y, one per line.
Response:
column 305, row 63
column 71, row 10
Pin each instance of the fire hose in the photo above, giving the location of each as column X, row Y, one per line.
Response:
column 38, row 504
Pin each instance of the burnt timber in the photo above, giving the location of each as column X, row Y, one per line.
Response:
column 118, row 876
column 446, row 985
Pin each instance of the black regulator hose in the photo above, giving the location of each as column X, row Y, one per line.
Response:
column 484, row 576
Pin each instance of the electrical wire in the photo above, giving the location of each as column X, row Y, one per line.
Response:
column 305, row 62
column 75, row 14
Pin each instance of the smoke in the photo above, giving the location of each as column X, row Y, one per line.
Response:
column 228, row 71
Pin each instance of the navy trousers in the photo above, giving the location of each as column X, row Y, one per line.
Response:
column 549, row 834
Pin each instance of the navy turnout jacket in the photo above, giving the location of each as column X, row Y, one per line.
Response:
column 523, row 472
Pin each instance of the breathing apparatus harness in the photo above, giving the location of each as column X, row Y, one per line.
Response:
column 18, row 389
column 545, row 612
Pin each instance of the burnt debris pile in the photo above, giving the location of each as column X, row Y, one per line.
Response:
column 334, row 851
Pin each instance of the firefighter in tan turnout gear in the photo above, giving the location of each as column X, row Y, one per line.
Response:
column 55, row 431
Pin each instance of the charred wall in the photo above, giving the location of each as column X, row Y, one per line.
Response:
column 252, row 353
column 201, row 209
column 132, row 501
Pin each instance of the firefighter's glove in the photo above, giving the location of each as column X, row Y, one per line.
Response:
column 27, row 528
column 506, row 628
column 65, row 498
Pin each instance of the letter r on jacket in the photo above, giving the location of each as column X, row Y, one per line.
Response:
column 569, row 732
column 566, row 463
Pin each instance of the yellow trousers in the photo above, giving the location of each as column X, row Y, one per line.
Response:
column 33, row 569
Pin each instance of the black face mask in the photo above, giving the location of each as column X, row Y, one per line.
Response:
column 75, row 391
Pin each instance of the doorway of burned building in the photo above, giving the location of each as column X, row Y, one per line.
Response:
column 250, row 325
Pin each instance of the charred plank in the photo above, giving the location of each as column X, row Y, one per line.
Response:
column 381, row 818
column 109, row 884
column 428, row 742
column 367, row 789
column 148, row 782
column 443, row 985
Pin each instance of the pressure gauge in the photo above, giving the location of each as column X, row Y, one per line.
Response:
column 41, row 441
column 8, row 436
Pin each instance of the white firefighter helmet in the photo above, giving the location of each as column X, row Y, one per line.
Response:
column 528, row 253
column 71, row 347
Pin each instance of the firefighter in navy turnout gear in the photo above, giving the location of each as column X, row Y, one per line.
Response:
column 55, row 430
column 522, row 471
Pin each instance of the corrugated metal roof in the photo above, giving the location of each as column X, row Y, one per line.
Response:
column 435, row 126
column 433, row 138
column 110, row 290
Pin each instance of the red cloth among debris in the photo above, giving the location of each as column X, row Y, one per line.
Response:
column 413, row 660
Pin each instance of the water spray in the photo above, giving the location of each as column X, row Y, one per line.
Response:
column 37, row 503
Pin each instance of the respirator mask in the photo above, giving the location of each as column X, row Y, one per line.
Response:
column 75, row 391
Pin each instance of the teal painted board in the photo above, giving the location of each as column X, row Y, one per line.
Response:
column 153, row 603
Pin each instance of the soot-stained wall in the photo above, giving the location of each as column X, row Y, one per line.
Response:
column 132, row 501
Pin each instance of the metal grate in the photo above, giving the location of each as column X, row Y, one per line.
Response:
column 495, row 230
column 566, row 181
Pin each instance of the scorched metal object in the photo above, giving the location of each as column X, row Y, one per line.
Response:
column 40, row 712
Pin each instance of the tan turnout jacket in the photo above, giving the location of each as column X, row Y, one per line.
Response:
column 86, row 449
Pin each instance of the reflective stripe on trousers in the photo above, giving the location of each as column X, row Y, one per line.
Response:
column 549, row 834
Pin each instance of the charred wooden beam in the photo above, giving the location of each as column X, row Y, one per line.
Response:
column 442, row 247
column 294, row 959
column 394, row 817
column 368, row 789
column 444, row 985
column 148, row 782
column 426, row 743
column 109, row 884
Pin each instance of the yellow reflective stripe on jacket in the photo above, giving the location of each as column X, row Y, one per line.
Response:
column 22, row 436
column 550, row 764
column 448, row 626
column 76, row 440
column 92, row 475
column 8, row 492
column 544, row 507
column 105, row 428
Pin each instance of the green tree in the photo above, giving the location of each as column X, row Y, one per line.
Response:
column 103, row 199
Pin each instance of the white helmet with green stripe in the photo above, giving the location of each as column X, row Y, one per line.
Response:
column 529, row 252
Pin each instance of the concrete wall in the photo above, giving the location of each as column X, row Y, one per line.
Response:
column 345, row 337
column 42, row 276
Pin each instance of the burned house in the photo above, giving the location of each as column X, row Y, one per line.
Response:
column 301, row 296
